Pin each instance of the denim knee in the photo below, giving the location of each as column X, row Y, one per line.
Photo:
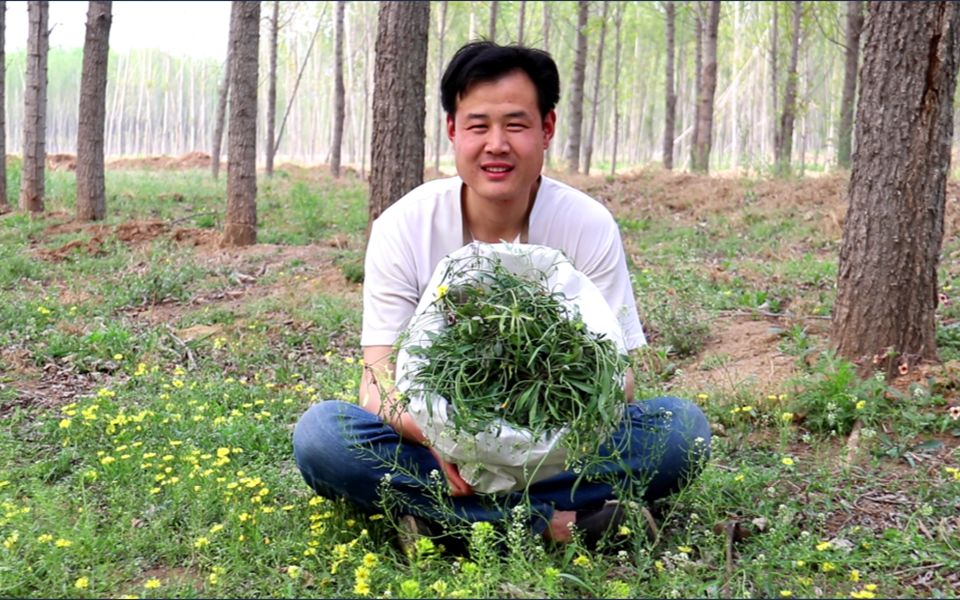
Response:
column 321, row 446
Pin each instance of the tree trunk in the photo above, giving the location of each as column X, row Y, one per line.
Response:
column 576, row 95
column 222, row 94
column 845, row 134
column 399, row 104
column 774, row 76
column 523, row 18
column 272, row 89
column 240, row 227
column 494, row 5
column 789, row 115
column 91, row 197
column 892, row 235
column 698, row 79
column 708, row 82
column 670, row 117
column 339, row 102
column 598, row 76
column 618, row 20
column 4, row 204
column 35, row 108
column 438, row 116
column 547, row 154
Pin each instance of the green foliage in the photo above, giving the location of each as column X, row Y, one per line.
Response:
column 833, row 397
column 948, row 341
column 512, row 350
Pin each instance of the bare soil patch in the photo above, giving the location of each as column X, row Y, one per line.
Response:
column 132, row 233
column 742, row 352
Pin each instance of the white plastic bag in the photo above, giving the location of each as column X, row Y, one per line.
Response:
column 503, row 458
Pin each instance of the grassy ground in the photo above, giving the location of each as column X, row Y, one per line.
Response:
column 149, row 382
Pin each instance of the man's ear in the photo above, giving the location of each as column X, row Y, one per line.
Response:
column 451, row 127
column 549, row 128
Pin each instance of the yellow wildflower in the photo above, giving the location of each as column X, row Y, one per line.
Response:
column 152, row 583
column 82, row 583
column 582, row 561
column 786, row 460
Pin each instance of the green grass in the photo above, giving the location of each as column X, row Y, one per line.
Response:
column 148, row 394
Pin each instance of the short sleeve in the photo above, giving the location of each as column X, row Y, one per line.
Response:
column 390, row 293
column 605, row 263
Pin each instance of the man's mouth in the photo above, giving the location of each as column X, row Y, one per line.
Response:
column 497, row 168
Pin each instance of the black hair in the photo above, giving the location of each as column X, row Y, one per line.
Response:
column 484, row 61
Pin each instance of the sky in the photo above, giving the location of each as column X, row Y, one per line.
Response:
column 179, row 28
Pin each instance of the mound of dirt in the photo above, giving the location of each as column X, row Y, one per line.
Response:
column 190, row 160
column 62, row 162
column 132, row 233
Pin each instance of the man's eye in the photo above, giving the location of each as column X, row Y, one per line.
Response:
column 516, row 126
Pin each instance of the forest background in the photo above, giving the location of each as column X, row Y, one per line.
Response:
column 164, row 102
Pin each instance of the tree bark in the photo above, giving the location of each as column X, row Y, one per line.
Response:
column 272, row 89
column 438, row 116
column 35, row 108
column 492, row 31
column 547, row 154
column 4, row 203
column 698, row 77
column 523, row 18
column 339, row 101
column 576, row 94
column 845, row 133
column 399, row 103
column 240, row 227
column 618, row 20
column 598, row 76
column 774, row 76
column 222, row 95
column 789, row 115
column 893, row 231
column 708, row 82
column 91, row 196
column 670, row 117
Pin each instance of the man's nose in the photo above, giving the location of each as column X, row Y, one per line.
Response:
column 497, row 142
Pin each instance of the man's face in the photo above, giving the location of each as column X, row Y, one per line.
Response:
column 499, row 138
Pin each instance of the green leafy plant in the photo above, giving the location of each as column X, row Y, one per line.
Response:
column 833, row 396
column 513, row 350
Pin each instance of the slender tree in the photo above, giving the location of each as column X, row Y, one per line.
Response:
column 785, row 131
column 852, row 52
column 576, row 95
column 222, row 95
column 893, row 231
column 697, row 76
column 438, row 117
column 240, row 227
column 492, row 31
column 91, row 193
column 598, row 76
column 671, row 95
column 708, row 83
column 4, row 203
column 339, row 100
column 547, row 155
column 774, row 73
column 618, row 25
column 271, row 149
column 399, row 104
column 35, row 108
column 523, row 18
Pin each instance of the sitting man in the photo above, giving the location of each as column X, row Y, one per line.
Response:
column 499, row 102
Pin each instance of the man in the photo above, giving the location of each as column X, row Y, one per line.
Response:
column 500, row 104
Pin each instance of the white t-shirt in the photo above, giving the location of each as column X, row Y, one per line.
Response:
column 410, row 238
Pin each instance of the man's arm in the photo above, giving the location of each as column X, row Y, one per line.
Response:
column 377, row 396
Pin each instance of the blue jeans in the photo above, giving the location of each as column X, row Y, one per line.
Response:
column 343, row 450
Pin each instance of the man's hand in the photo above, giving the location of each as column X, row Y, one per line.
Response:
column 458, row 486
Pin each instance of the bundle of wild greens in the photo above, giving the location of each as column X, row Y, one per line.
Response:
column 513, row 352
